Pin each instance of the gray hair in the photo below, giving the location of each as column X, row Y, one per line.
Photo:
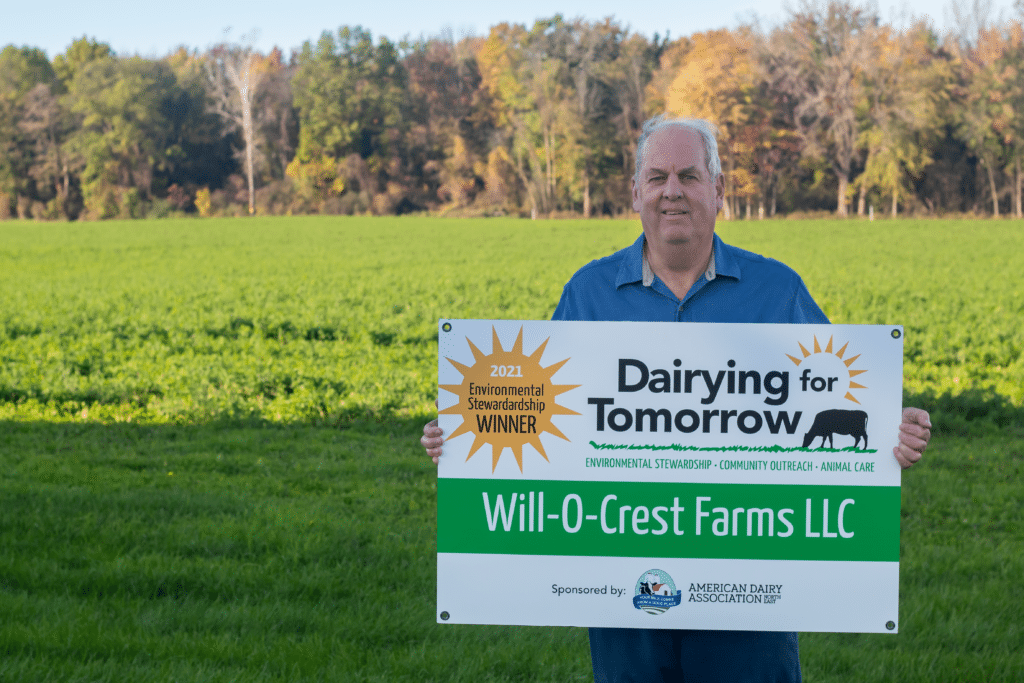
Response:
column 705, row 129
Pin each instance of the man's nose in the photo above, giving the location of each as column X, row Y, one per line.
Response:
column 673, row 187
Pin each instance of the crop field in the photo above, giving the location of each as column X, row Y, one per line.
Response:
column 209, row 468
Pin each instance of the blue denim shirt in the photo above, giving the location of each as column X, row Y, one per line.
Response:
column 747, row 288
column 742, row 287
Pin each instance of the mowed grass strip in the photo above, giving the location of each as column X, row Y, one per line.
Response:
column 267, row 513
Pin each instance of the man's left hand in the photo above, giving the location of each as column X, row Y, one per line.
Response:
column 915, row 431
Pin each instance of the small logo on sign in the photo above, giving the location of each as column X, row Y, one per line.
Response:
column 656, row 592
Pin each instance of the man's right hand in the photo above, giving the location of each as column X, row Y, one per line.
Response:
column 432, row 439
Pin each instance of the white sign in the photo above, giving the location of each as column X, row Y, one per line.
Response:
column 669, row 475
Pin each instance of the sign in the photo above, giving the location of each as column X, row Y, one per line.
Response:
column 669, row 475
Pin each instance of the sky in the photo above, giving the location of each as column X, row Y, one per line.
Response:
column 153, row 29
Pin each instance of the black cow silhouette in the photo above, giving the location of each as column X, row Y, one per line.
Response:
column 829, row 422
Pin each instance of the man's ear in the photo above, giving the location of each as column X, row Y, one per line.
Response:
column 637, row 205
column 720, row 191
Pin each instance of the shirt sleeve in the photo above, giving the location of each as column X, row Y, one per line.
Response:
column 804, row 309
column 564, row 310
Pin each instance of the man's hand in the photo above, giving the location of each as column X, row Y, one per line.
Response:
column 915, row 431
column 432, row 440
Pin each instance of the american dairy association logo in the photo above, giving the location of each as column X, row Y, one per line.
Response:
column 656, row 592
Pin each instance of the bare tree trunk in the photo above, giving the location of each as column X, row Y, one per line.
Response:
column 285, row 147
column 549, row 154
column 772, row 212
column 735, row 198
column 241, row 74
column 727, row 204
column 895, row 195
column 551, row 190
column 841, row 208
column 1016, row 188
column 249, row 143
column 586, row 192
column 232, row 68
column 530, row 187
column 862, row 198
column 992, row 185
column 748, row 207
column 547, row 169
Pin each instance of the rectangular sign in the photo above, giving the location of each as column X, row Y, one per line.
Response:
column 669, row 475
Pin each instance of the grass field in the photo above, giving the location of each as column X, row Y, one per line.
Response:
column 208, row 458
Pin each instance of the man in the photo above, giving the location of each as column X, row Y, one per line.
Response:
column 679, row 270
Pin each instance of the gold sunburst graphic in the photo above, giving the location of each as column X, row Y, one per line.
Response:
column 506, row 399
column 847, row 362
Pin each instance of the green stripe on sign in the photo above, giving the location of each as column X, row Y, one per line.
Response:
column 632, row 519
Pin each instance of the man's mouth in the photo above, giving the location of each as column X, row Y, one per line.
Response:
column 675, row 212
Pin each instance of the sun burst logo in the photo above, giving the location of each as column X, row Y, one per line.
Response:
column 506, row 399
column 833, row 366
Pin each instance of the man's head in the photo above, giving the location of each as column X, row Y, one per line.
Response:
column 678, row 190
column 705, row 129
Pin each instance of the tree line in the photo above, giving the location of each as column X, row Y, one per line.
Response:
column 831, row 111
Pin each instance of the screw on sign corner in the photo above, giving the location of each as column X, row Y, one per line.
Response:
column 890, row 625
column 445, row 616
column 896, row 334
column 447, row 327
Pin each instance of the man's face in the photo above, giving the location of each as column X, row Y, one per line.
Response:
column 676, row 199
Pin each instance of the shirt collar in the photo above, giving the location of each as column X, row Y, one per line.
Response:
column 722, row 263
column 648, row 274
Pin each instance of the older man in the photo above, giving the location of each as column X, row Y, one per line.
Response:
column 680, row 270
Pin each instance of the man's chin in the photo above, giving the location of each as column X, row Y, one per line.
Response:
column 683, row 234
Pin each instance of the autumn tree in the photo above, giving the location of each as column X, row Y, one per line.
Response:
column 817, row 58
column 571, row 96
column 504, row 72
column 1010, row 123
column 546, row 77
column 986, row 116
column 274, row 113
column 906, row 91
column 629, row 77
column 716, row 81
column 450, row 126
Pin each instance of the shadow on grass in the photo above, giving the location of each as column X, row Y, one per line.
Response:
column 974, row 412
column 228, row 510
column 267, row 544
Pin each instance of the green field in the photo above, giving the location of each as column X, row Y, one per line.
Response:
column 208, row 457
